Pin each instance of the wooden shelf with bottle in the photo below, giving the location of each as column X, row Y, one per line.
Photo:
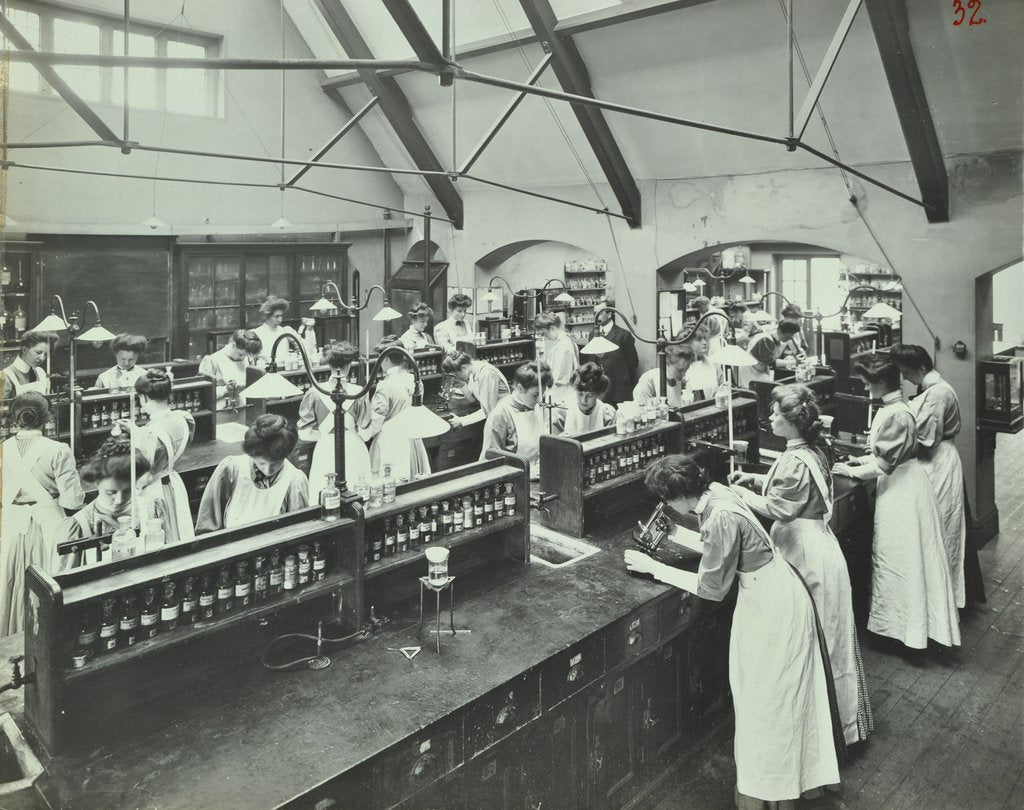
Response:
column 514, row 352
column 571, row 468
column 391, row 577
column 72, row 610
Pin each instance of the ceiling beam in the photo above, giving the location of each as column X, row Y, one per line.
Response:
column 63, row 89
column 414, row 31
column 577, row 24
column 395, row 106
column 573, row 76
column 327, row 147
column 892, row 33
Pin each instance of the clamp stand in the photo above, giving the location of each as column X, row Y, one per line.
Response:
column 437, row 587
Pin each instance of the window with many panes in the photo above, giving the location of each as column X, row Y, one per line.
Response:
column 812, row 281
column 56, row 28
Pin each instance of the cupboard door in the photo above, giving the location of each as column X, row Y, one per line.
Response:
column 212, row 298
column 665, row 721
column 556, row 769
column 267, row 274
column 612, row 751
column 496, row 780
column 708, row 665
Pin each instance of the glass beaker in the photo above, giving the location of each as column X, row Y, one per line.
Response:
column 437, row 565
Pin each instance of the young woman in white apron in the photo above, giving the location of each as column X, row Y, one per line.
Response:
column 517, row 423
column 388, row 444
column 786, row 736
column 127, row 351
column 678, row 358
column 586, row 411
column 797, row 495
column 227, row 366
column 258, row 485
column 39, row 482
column 163, row 440
column 702, row 377
column 762, row 346
column 478, row 381
column 560, row 354
column 109, row 473
column 272, row 314
column 27, row 371
column 937, row 412
column 316, row 422
column 912, row 596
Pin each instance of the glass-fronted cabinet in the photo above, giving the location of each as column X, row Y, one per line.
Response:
column 1001, row 393
column 221, row 287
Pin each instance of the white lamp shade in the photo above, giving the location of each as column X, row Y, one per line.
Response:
column 387, row 314
column 51, row 323
column 700, row 282
column 419, row 422
column 96, row 334
column 323, row 305
column 730, row 355
column 154, row 223
column 280, row 224
column 271, row 386
column 565, row 298
column 599, row 344
column 883, row 310
column 689, row 286
column 748, row 280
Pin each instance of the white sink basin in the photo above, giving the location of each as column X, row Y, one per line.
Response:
column 554, row 550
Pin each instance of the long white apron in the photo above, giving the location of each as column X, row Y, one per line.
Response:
column 946, row 473
column 357, row 457
column 911, row 591
column 249, row 504
column 29, row 531
column 407, row 457
column 529, row 427
column 784, row 745
column 178, row 526
column 810, row 546
column 745, row 375
column 39, row 386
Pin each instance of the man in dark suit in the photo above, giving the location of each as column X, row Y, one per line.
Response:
column 620, row 366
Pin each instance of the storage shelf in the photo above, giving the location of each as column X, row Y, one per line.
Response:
column 376, row 569
column 437, row 492
column 187, row 633
column 511, row 364
column 602, row 487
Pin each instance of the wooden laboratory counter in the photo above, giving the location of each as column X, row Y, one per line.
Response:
column 579, row 686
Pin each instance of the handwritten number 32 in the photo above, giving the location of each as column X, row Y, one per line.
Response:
column 960, row 13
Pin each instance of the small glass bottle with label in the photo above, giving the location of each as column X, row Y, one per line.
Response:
column 390, row 537
column 376, row 492
column 426, row 530
column 225, row 591
column 87, row 632
column 389, row 485
column 401, row 534
column 414, row 529
column 510, row 499
column 305, row 566
column 319, row 561
column 261, row 579
column 150, row 618
column 243, row 584
column 207, row 598
column 330, row 500
column 189, row 601
column 291, row 574
column 128, row 623
column 170, row 609
column 276, row 574
column 108, row 626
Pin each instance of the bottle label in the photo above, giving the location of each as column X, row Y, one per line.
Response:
column 223, row 593
column 260, row 583
column 87, row 638
column 129, row 623
column 290, row 581
column 188, row 605
column 170, row 613
column 243, row 588
column 108, row 631
column 148, row 619
column 206, row 600
column 332, row 500
column 276, row 578
column 320, row 568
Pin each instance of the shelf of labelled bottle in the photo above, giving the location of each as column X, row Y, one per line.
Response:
column 624, row 462
column 505, row 355
column 140, row 611
column 428, row 362
column 402, row 520
column 709, row 423
column 101, row 409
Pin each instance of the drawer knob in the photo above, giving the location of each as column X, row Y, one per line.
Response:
column 575, row 673
column 635, row 638
column 422, row 765
column 507, row 715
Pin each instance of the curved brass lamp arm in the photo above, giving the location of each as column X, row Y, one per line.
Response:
column 95, row 309
column 63, row 312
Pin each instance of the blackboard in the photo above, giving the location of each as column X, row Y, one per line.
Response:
column 130, row 282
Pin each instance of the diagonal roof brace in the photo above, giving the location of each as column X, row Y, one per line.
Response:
column 327, row 147
column 573, row 76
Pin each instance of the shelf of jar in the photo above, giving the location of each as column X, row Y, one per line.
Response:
column 510, row 363
column 94, row 431
column 602, row 487
column 376, row 569
column 573, row 290
column 187, row 633
column 432, row 493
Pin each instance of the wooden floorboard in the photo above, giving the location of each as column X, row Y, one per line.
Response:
column 949, row 727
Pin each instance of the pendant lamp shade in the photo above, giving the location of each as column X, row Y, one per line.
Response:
column 323, row 305
column 747, row 279
column 565, row 298
column 883, row 310
column 599, row 344
column 51, row 323
column 689, row 286
column 154, row 223
column 387, row 314
column 419, row 422
column 700, row 283
column 280, row 224
column 731, row 355
column 271, row 386
column 97, row 334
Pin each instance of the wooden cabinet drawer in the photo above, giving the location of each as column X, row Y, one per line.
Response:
column 419, row 760
column 500, row 712
column 567, row 672
column 632, row 635
column 677, row 612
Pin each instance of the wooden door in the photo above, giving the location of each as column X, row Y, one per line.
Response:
column 665, row 720
column 612, row 741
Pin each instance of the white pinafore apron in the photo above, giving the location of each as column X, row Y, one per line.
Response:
column 745, row 375
column 39, row 386
column 577, row 422
column 529, row 427
column 911, row 591
column 248, row 503
column 809, row 545
column 178, row 527
column 29, row 530
column 946, row 473
column 407, row 456
column 784, row 744
column 357, row 457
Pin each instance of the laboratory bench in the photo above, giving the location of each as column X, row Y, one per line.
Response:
column 575, row 687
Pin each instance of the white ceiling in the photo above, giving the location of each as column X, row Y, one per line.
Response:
column 721, row 62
